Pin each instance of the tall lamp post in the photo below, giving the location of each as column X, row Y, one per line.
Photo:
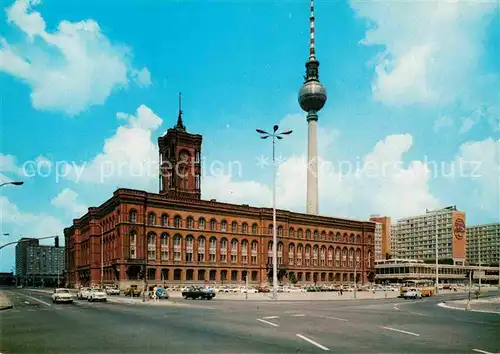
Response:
column 356, row 263
column 274, row 135
column 102, row 252
column 14, row 183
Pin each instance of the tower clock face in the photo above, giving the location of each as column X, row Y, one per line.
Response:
column 184, row 156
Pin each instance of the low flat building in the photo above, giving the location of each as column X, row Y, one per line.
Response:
column 402, row 270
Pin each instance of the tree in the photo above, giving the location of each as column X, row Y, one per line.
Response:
column 358, row 276
column 282, row 272
column 371, row 277
column 293, row 278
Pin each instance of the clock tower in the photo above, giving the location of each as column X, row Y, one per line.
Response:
column 180, row 161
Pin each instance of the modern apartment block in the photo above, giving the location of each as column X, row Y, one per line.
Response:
column 483, row 244
column 395, row 247
column 416, row 236
column 382, row 236
column 38, row 264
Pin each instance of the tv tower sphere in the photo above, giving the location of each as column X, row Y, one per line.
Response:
column 312, row 96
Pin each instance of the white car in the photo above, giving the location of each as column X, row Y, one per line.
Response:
column 413, row 294
column 97, row 295
column 62, row 295
column 83, row 294
column 113, row 291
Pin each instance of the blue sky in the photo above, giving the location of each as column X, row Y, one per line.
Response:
column 413, row 87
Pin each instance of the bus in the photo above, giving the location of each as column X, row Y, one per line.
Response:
column 425, row 287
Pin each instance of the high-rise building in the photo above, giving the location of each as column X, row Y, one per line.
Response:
column 417, row 236
column 382, row 236
column 395, row 253
column 38, row 264
column 483, row 244
column 312, row 98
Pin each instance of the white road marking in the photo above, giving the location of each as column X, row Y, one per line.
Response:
column 40, row 301
column 481, row 351
column 396, row 308
column 27, row 302
column 313, row 342
column 335, row 318
column 401, row 331
column 270, row 317
column 31, row 310
column 269, row 323
column 299, row 315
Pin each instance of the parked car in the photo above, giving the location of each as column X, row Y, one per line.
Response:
column 413, row 294
column 113, row 290
column 97, row 295
column 132, row 291
column 62, row 295
column 198, row 293
column 83, row 294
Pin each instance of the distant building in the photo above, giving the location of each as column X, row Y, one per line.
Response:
column 417, row 234
column 38, row 265
column 382, row 236
column 395, row 253
column 483, row 244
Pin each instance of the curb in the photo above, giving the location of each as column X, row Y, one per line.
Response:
column 6, row 307
column 446, row 306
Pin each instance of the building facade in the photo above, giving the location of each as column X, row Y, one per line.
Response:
column 176, row 237
column 417, row 234
column 39, row 265
column 483, row 244
column 382, row 236
column 395, row 242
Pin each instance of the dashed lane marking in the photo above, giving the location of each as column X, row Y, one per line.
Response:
column 299, row 315
column 313, row 342
column 270, row 317
column 269, row 323
column 481, row 351
column 40, row 301
column 335, row 318
column 401, row 331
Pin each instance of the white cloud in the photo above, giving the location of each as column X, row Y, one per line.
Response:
column 129, row 158
column 69, row 69
column 8, row 164
column 442, row 122
column 479, row 161
column 430, row 49
column 67, row 200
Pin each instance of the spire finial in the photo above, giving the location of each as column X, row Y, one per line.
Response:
column 180, row 125
column 312, row 52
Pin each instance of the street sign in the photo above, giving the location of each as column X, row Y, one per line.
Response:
column 159, row 292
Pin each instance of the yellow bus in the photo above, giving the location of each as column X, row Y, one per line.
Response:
column 426, row 287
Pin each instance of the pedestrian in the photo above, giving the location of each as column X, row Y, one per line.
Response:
column 341, row 291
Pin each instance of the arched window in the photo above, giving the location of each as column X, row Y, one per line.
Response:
column 291, row 253
column 358, row 255
column 291, row 232
column 351, row 238
column 351, row 257
column 358, row 239
column 177, row 221
column 316, row 235
column 279, row 253
column 244, row 251
column 300, row 250
column 255, row 228
column 234, row 227
column 223, row 225
column 315, row 255
column 270, row 252
column 201, row 223
column 308, row 234
column 337, row 257
column 190, row 222
column 300, row 233
column 223, row 250
column 244, row 228
column 189, row 248
column 164, row 220
column 255, row 252
column 213, row 225
column 151, row 245
column 213, row 249
column 270, row 229
column 330, row 236
column 177, row 247
column 280, row 231
column 322, row 256
column 234, row 250
column 132, row 216
column 338, row 237
column 308, row 255
column 133, row 243
column 330, row 256
column 323, row 235
column 151, row 218
column 369, row 240
column 164, row 247
column 344, row 257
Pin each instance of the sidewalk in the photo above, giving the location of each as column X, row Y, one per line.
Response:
column 490, row 305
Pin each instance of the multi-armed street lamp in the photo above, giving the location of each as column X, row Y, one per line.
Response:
column 274, row 135
column 356, row 263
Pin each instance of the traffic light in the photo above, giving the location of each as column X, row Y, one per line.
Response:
column 244, row 273
column 56, row 241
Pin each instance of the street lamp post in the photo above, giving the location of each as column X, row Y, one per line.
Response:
column 437, row 254
column 14, row 183
column 274, row 135
column 356, row 262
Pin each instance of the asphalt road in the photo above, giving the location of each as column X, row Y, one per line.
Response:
column 35, row 325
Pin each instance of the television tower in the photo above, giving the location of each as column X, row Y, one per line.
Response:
column 312, row 97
